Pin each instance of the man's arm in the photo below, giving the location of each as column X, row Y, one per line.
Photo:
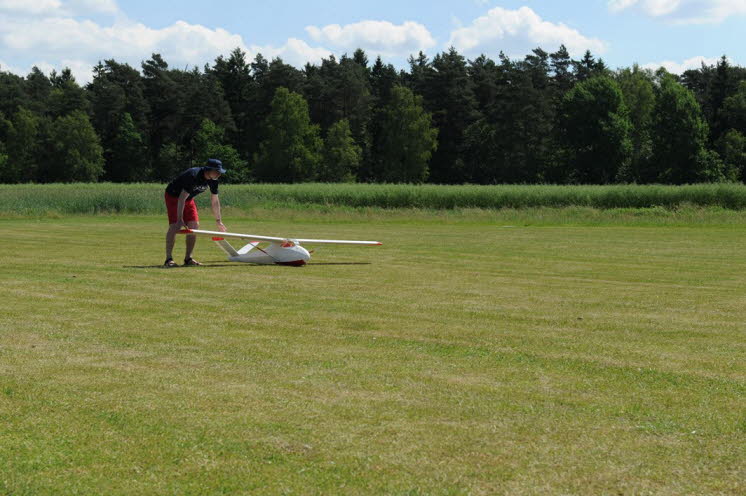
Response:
column 180, row 208
column 215, row 204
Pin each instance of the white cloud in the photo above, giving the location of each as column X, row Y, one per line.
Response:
column 50, row 8
column 30, row 8
column 517, row 32
column 81, row 43
column 42, row 65
column 651, row 7
column 680, row 67
column 294, row 52
column 96, row 6
column 619, row 5
column 377, row 37
column 82, row 69
column 59, row 36
column 684, row 11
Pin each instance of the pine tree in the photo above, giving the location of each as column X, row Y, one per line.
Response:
column 484, row 75
column 383, row 78
column 514, row 141
column 353, row 90
column 66, row 95
column 587, row 67
column 268, row 77
column 239, row 88
column 165, row 101
column 38, row 88
column 712, row 85
column 420, row 69
column 734, row 110
column 561, row 65
column 722, row 86
column 282, row 75
column 340, row 90
column 201, row 98
column 536, row 112
column 360, row 58
column 291, row 149
column 482, row 154
column 116, row 89
column 450, row 99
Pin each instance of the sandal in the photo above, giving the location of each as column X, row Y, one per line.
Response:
column 190, row 262
column 169, row 263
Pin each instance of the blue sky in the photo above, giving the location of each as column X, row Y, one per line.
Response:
column 678, row 34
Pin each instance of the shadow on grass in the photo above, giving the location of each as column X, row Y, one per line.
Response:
column 209, row 265
column 339, row 263
column 204, row 265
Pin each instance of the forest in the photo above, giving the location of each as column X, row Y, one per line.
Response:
column 545, row 119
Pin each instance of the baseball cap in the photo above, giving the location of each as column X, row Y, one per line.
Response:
column 215, row 164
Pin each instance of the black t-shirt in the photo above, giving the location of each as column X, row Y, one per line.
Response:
column 193, row 182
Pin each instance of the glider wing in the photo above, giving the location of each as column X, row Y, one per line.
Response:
column 253, row 237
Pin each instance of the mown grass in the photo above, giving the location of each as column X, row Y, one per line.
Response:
column 147, row 198
column 458, row 358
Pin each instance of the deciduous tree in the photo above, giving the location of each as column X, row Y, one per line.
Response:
column 679, row 138
column 407, row 139
column 341, row 155
column 23, row 145
column 77, row 151
column 291, row 148
column 209, row 142
column 126, row 155
column 595, row 131
column 639, row 97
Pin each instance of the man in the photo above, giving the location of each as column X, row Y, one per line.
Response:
column 182, row 212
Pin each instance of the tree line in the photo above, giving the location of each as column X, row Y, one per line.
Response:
column 547, row 118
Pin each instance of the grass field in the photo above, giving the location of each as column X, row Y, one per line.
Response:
column 600, row 355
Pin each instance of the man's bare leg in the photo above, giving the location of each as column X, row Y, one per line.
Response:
column 171, row 239
column 190, row 239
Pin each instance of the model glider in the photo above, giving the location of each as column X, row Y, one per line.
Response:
column 281, row 251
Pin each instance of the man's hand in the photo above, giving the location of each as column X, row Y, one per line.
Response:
column 180, row 224
column 221, row 226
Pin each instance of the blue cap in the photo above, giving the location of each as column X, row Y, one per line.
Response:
column 215, row 164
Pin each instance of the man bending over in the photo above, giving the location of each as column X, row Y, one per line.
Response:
column 182, row 212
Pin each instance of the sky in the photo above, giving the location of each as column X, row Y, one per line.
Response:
column 675, row 34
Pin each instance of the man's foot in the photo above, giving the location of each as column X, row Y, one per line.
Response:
column 190, row 262
column 170, row 263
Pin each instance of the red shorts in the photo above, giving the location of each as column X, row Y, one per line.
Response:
column 190, row 209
